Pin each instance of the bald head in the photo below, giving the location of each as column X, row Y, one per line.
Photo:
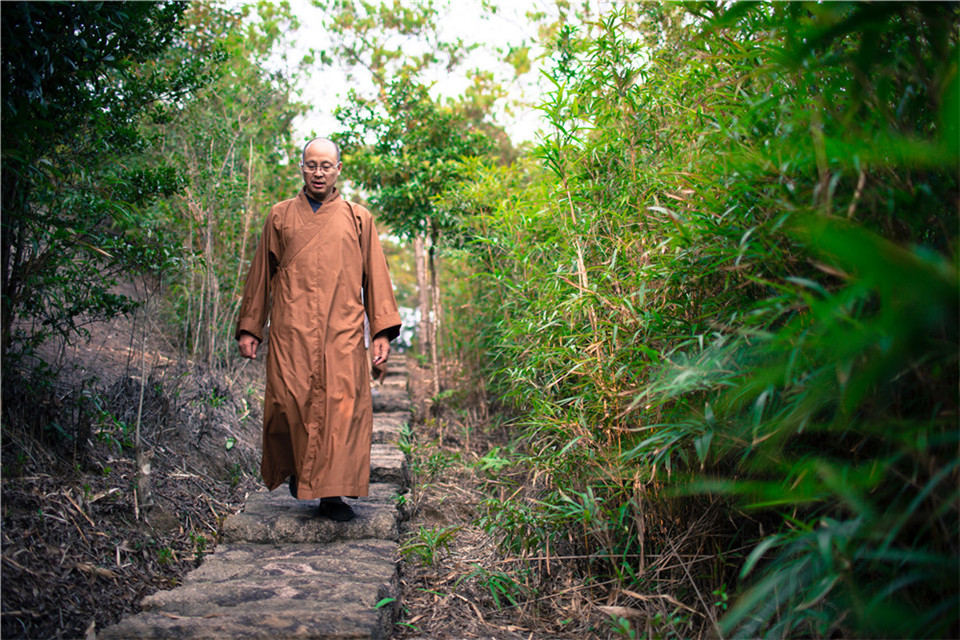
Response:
column 320, row 166
column 327, row 144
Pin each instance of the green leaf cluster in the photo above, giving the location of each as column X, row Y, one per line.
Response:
column 406, row 151
column 78, row 78
column 733, row 276
column 232, row 147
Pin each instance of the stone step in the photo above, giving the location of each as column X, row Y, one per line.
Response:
column 281, row 571
column 397, row 364
column 392, row 382
column 387, row 426
column 388, row 465
column 274, row 517
column 390, row 400
column 267, row 591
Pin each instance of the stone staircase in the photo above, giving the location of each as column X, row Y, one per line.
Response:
column 282, row 572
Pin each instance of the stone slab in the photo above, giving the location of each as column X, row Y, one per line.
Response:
column 390, row 400
column 244, row 625
column 388, row 465
column 388, row 426
column 284, row 572
column 346, row 560
column 270, row 591
column 273, row 517
column 397, row 364
column 392, row 382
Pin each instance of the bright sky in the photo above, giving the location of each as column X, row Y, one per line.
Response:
column 468, row 20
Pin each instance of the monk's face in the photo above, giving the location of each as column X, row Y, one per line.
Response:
column 320, row 169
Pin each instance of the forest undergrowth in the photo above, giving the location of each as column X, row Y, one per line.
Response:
column 720, row 309
column 89, row 527
column 474, row 484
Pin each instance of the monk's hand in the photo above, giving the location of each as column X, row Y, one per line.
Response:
column 248, row 344
column 381, row 351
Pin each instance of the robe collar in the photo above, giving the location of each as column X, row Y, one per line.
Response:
column 306, row 212
column 312, row 224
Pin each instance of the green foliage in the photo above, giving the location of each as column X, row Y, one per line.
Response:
column 622, row 627
column 429, row 544
column 492, row 461
column 405, row 442
column 112, row 431
column 427, row 460
column 232, row 145
column 380, row 42
column 199, row 541
column 77, row 80
column 504, row 588
column 735, row 275
column 515, row 525
column 110, row 110
column 236, row 474
column 434, row 464
column 404, row 148
column 166, row 555
column 384, row 40
column 675, row 625
column 415, row 153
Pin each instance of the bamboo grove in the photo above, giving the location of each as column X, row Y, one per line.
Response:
column 722, row 306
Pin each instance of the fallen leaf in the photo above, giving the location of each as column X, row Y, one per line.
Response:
column 95, row 570
column 622, row 612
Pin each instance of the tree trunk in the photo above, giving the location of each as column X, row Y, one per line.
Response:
column 435, row 320
column 143, row 496
column 213, row 292
column 247, row 216
column 10, row 287
column 420, row 261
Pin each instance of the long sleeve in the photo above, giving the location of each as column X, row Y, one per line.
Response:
column 255, row 307
column 378, row 299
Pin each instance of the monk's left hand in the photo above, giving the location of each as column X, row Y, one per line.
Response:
column 381, row 351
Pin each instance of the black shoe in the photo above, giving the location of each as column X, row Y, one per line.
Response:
column 335, row 509
column 292, row 483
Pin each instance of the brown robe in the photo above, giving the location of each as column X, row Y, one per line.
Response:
column 316, row 274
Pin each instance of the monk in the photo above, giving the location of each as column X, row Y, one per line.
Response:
column 317, row 270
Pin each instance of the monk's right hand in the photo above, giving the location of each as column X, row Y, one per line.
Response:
column 248, row 344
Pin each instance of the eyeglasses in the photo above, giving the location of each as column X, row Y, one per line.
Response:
column 310, row 167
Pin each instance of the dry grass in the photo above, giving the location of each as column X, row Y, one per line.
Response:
column 459, row 585
column 79, row 551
